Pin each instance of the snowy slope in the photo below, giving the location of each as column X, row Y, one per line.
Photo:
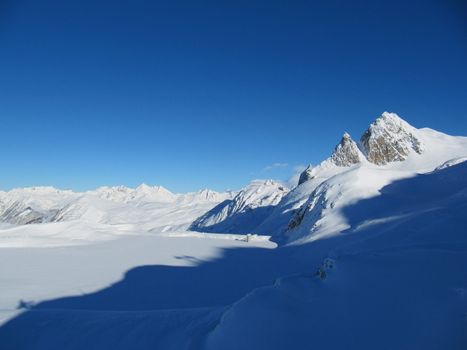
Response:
column 245, row 211
column 394, row 279
column 390, row 149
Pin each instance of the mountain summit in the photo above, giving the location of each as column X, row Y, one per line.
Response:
column 389, row 139
column 346, row 152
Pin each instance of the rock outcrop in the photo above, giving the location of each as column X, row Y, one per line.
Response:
column 306, row 175
column 390, row 139
column 346, row 152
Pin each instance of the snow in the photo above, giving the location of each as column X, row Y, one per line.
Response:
column 398, row 283
column 145, row 208
column 329, row 187
column 245, row 211
column 369, row 255
column 45, row 271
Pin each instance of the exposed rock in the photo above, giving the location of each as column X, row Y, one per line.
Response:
column 390, row 139
column 306, row 175
column 346, row 152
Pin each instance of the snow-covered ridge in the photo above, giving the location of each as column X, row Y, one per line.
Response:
column 388, row 150
column 392, row 150
column 245, row 211
column 145, row 206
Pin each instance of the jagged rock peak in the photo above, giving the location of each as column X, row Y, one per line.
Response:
column 346, row 152
column 389, row 139
column 306, row 175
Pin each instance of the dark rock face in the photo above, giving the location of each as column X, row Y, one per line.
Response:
column 390, row 139
column 346, row 152
column 306, row 175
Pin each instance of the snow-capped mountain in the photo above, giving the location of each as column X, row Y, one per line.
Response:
column 245, row 211
column 145, row 207
column 390, row 207
column 393, row 149
column 390, row 139
column 32, row 205
column 388, row 150
column 346, row 152
column 142, row 193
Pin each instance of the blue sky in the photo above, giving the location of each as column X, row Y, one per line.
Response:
column 193, row 94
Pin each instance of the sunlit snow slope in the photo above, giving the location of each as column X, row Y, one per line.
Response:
column 390, row 149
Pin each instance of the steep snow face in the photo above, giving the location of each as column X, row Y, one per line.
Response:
column 245, row 211
column 390, row 139
column 320, row 215
column 346, row 152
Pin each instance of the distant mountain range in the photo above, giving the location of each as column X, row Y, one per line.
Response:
column 150, row 207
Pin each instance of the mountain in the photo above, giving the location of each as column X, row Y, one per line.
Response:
column 142, row 193
column 245, row 211
column 390, row 139
column 144, row 207
column 373, row 254
column 32, row 205
column 394, row 150
column 390, row 149
column 346, row 152
column 395, row 279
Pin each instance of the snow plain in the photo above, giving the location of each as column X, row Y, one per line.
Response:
column 30, row 275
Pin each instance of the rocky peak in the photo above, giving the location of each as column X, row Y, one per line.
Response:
column 306, row 175
column 346, row 152
column 389, row 139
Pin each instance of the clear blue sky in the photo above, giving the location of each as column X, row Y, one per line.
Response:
column 192, row 94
